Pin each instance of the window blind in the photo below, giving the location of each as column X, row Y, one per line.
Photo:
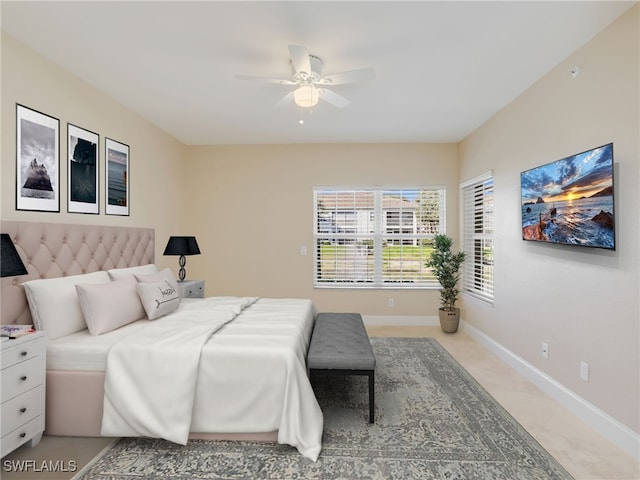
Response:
column 478, row 238
column 376, row 237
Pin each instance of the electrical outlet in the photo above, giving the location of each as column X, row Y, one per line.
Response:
column 391, row 302
column 545, row 350
column 303, row 250
column 584, row 371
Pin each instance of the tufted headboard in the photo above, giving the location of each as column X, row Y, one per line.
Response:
column 51, row 250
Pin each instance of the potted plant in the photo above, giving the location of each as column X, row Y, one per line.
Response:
column 446, row 268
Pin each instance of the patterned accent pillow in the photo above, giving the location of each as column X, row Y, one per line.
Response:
column 158, row 298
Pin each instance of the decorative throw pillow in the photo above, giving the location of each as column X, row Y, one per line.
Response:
column 158, row 298
column 108, row 306
column 54, row 303
column 119, row 273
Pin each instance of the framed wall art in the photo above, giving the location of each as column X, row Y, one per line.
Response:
column 117, row 181
column 82, row 168
column 37, row 161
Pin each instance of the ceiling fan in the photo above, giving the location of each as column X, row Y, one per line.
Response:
column 311, row 84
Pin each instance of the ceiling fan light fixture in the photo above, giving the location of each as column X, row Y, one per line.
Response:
column 306, row 96
column 310, row 84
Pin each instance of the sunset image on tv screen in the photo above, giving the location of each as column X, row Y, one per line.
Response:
column 571, row 201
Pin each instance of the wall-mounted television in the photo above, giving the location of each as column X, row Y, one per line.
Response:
column 570, row 201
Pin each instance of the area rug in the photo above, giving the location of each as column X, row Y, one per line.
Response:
column 433, row 421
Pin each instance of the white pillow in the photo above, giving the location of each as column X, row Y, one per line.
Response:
column 54, row 303
column 108, row 306
column 165, row 274
column 158, row 298
column 119, row 273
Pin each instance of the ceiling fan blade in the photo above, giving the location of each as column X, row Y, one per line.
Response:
column 286, row 100
column 333, row 98
column 300, row 59
column 352, row 76
column 266, row 79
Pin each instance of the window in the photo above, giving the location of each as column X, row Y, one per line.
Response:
column 376, row 237
column 477, row 204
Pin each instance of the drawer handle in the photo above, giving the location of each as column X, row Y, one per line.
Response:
column 22, row 435
column 24, row 353
column 23, row 378
column 23, row 409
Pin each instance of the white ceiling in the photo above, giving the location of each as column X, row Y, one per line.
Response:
column 442, row 68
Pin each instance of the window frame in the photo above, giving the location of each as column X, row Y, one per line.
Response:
column 375, row 235
column 477, row 198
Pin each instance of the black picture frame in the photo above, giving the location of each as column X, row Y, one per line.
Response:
column 37, row 160
column 117, row 185
column 83, row 170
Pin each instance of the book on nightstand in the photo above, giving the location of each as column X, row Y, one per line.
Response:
column 9, row 332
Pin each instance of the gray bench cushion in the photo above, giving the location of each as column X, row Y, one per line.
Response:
column 340, row 341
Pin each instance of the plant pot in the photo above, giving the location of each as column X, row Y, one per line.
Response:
column 449, row 319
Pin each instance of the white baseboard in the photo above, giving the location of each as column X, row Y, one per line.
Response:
column 609, row 427
column 401, row 320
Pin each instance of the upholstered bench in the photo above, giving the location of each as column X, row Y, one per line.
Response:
column 340, row 344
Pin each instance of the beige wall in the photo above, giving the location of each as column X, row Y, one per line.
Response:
column 582, row 302
column 252, row 209
column 156, row 173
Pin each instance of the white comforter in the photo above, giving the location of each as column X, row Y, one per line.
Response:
column 208, row 368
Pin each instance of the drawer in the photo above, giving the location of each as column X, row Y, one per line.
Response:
column 21, row 377
column 191, row 289
column 197, row 291
column 26, row 350
column 20, row 435
column 21, row 409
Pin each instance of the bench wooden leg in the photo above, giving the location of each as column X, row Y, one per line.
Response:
column 372, row 396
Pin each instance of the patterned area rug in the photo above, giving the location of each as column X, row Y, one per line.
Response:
column 433, row 421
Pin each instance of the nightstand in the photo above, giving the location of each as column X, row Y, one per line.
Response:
column 23, row 391
column 191, row 288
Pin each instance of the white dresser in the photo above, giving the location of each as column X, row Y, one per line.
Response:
column 23, row 391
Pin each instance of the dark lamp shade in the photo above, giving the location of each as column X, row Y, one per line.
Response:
column 182, row 246
column 10, row 262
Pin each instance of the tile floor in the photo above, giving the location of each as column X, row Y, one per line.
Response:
column 586, row 454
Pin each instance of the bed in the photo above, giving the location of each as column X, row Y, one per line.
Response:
column 250, row 379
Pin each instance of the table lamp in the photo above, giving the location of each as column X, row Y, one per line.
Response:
column 10, row 262
column 182, row 246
